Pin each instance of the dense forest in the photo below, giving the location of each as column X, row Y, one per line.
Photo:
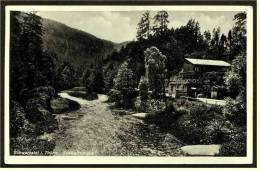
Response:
column 47, row 57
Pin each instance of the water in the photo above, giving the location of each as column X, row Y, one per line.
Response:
column 94, row 130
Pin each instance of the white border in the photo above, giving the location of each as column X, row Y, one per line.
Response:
column 133, row 160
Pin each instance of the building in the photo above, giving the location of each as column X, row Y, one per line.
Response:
column 187, row 82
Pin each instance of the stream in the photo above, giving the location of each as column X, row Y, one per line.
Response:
column 95, row 130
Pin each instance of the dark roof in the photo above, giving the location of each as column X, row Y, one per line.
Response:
column 208, row 62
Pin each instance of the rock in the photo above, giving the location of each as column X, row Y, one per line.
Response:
column 140, row 115
column 69, row 117
column 59, row 105
column 120, row 112
column 201, row 150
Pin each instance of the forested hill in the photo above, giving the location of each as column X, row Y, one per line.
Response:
column 73, row 45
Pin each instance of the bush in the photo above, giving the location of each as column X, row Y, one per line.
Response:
column 235, row 110
column 187, row 130
column 165, row 116
column 156, row 106
column 25, row 143
column 236, row 146
column 143, row 89
column 115, row 96
column 202, row 113
column 217, row 132
column 141, row 105
column 202, row 124
column 17, row 117
column 37, row 110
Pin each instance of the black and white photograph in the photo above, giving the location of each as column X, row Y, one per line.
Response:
column 162, row 82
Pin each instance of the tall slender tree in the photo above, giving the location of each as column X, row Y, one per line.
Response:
column 160, row 22
column 156, row 71
column 144, row 26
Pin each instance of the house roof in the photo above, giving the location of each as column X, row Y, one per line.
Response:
column 208, row 62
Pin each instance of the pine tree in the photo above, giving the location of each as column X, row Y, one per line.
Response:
column 144, row 28
column 160, row 23
column 124, row 82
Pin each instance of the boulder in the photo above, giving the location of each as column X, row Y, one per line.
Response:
column 140, row 115
column 201, row 150
column 59, row 105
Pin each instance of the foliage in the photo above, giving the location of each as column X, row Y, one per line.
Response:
column 65, row 77
column 115, row 96
column 235, row 80
column 93, row 78
column 144, row 26
column 237, row 36
column 156, row 71
column 37, row 110
column 27, row 143
column 160, row 23
column 124, row 83
column 235, row 111
column 72, row 45
column 32, row 75
column 143, row 89
column 236, row 146
column 157, row 106
column 26, row 53
column 201, row 124
column 190, row 37
column 141, row 105
column 17, row 117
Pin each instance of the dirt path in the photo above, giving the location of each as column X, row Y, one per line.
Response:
column 95, row 130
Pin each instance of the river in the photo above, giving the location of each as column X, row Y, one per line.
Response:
column 94, row 130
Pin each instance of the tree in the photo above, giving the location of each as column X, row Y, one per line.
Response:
column 190, row 37
column 144, row 28
column 65, row 76
column 237, row 36
column 160, row 23
column 235, row 80
column 28, row 61
column 207, row 36
column 155, row 71
column 143, row 89
column 124, row 82
column 99, row 76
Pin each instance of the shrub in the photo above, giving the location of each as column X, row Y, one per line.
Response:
column 17, row 117
column 37, row 109
column 202, row 124
column 236, row 146
column 156, row 106
column 115, row 96
column 235, row 110
column 25, row 143
column 189, row 131
column 143, row 89
column 217, row 132
column 141, row 105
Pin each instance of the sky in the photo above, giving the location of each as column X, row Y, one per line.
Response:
column 120, row 26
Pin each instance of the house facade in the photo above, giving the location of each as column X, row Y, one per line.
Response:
column 188, row 81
